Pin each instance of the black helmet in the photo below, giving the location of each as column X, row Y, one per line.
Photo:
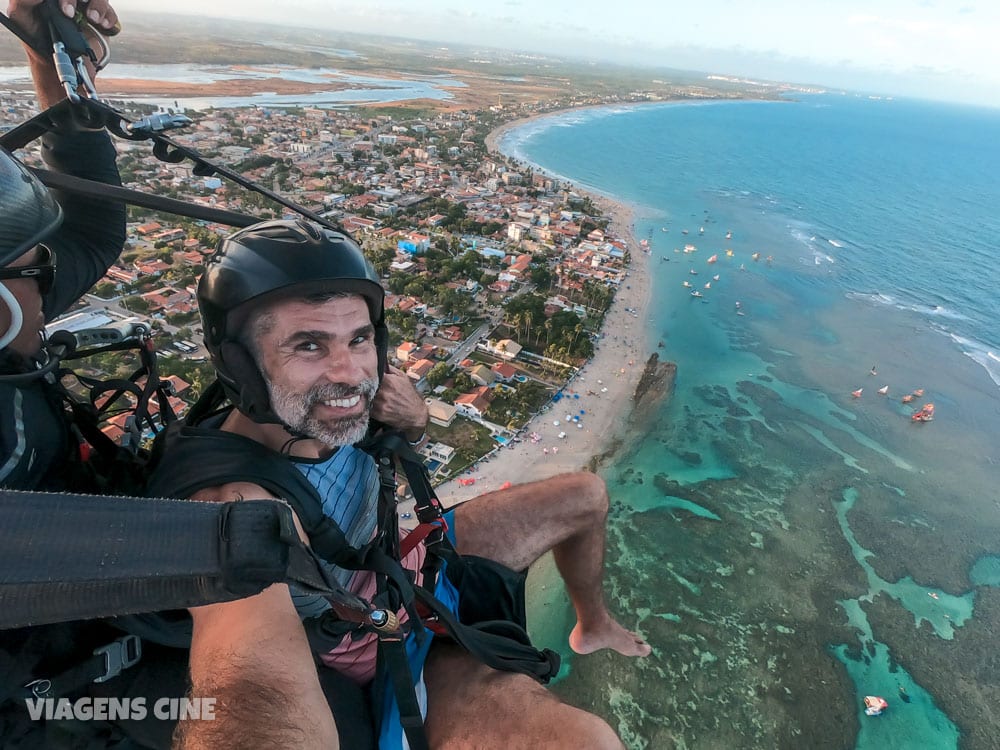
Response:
column 28, row 212
column 268, row 261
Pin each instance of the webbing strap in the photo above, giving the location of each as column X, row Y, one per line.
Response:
column 105, row 663
column 392, row 650
column 73, row 557
column 418, row 534
column 426, row 502
column 35, row 44
column 101, row 190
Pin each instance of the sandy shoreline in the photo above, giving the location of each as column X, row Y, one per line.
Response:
column 616, row 366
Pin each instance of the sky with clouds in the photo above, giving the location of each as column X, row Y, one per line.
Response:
column 940, row 49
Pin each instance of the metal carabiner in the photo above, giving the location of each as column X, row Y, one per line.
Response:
column 66, row 71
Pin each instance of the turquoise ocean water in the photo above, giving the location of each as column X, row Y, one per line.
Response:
column 788, row 548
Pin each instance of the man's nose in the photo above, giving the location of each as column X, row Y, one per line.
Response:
column 342, row 368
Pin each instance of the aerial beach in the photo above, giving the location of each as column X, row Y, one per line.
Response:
column 786, row 549
column 603, row 388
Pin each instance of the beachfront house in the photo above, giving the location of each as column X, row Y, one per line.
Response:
column 504, row 348
column 440, row 412
column 439, row 452
column 504, row 372
column 473, row 404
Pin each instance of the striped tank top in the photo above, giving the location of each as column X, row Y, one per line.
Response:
column 348, row 483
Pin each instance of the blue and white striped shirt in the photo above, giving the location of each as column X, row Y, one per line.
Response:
column 348, row 483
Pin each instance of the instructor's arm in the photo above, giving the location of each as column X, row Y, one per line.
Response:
column 253, row 657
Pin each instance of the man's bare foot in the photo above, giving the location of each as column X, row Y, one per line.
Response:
column 610, row 635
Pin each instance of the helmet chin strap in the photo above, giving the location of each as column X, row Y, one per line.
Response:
column 16, row 316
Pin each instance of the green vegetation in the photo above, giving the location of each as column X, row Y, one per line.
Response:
column 471, row 441
column 514, row 409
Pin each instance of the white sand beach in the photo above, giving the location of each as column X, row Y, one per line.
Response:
column 602, row 389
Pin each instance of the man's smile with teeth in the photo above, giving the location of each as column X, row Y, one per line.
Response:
column 343, row 403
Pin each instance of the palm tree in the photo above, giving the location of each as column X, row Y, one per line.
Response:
column 515, row 320
column 577, row 330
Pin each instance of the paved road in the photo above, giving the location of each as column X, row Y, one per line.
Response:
column 468, row 346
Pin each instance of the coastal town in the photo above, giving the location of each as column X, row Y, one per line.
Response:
column 498, row 277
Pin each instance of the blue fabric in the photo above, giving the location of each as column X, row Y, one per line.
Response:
column 391, row 736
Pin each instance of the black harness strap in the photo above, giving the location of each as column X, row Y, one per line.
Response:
column 92, row 113
column 72, row 557
column 501, row 644
column 35, row 44
column 101, row 190
column 194, row 458
column 392, row 654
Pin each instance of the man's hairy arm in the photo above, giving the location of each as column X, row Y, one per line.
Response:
column 253, row 657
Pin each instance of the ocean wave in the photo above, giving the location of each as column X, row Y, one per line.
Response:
column 981, row 354
column 936, row 311
column 515, row 138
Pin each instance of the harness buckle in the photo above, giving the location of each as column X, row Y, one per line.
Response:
column 118, row 655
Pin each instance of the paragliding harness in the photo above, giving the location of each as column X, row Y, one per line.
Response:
column 110, row 467
column 84, row 109
column 490, row 620
column 68, row 562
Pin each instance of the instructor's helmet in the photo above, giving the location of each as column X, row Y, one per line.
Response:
column 269, row 261
column 28, row 214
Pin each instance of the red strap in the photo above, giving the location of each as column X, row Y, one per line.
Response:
column 418, row 535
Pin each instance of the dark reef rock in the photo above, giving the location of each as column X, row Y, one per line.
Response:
column 657, row 382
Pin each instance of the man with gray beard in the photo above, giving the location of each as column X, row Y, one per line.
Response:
column 294, row 321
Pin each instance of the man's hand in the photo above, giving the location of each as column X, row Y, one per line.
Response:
column 398, row 404
column 98, row 12
column 25, row 14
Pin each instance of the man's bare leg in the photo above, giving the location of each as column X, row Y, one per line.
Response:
column 567, row 514
column 473, row 707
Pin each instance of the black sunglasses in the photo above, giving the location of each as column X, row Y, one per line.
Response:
column 44, row 273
